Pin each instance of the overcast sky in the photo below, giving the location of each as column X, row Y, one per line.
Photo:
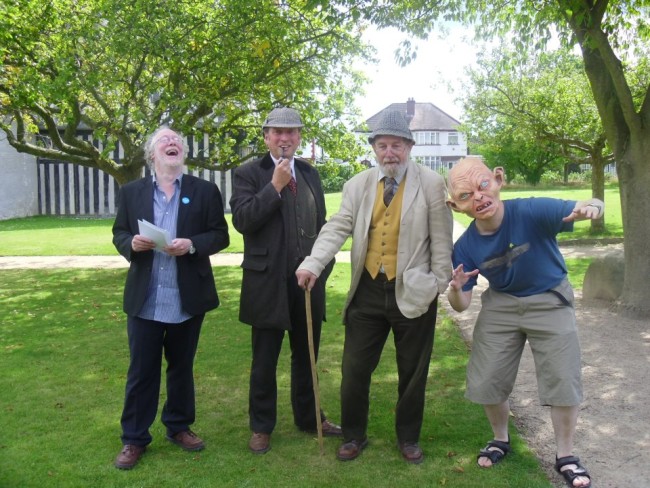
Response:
column 439, row 62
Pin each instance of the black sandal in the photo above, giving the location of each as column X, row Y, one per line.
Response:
column 571, row 474
column 495, row 451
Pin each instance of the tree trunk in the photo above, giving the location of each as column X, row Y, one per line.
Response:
column 634, row 180
column 598, row 191
column 628, row 133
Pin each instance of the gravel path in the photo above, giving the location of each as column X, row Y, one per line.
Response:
column 613, row 435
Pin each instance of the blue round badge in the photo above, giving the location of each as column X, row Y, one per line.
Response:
column 185, row 200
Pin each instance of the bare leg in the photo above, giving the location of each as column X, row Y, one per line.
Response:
column 564, row 421
column 498, row 416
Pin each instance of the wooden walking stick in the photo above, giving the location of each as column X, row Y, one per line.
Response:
column 314, row 375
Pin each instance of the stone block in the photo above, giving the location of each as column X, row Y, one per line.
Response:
column 604, row 277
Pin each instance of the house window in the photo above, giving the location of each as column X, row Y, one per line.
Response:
column 427, row 138
column 452, row 139
column 433, row 162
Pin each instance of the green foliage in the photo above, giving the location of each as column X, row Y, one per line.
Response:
column 551, row 177
column 535, row 111
column 333, row 175
column 64, row 359
column 121, row 68
column 585, row 177
column 517, row 180
column 520, row 157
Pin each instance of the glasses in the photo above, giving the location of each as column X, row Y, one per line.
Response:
column 168, row 139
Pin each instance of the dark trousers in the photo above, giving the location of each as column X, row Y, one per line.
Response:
column 147, row 341
column 266, row 345
column 372, row 314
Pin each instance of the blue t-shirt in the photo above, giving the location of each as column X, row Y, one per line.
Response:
column 522, row 258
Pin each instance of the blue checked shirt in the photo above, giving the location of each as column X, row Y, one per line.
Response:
column 163, row 303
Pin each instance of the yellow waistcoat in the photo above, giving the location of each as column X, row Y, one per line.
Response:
column 383, row 234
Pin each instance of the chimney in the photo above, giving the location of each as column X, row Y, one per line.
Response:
column 410, row 109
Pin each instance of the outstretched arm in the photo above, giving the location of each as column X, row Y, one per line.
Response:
column 586, row 209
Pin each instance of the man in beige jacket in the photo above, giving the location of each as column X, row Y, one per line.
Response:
column 401, row 260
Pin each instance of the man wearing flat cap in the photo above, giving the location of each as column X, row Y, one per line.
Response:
column 401, row 234
column 279, row 207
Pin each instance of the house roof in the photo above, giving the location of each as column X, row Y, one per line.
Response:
column 426, row 117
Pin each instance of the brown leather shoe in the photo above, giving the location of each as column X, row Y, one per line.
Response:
column 331, row 429
column 259, row 443
column 187, row 440
column 129, row 456
column 411, row 452
column 351, row 449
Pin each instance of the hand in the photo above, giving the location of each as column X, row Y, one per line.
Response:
column 140, row 243
column 178, row 247
column 459, row 278
column 306, row 279
column 281, row 175
column 589, row 209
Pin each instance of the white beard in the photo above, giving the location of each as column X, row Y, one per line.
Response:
column 394, row 170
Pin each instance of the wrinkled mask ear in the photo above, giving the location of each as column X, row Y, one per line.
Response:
column 452, row 205
column 499, row 175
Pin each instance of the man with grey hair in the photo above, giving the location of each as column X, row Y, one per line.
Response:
column 168, row 290
column 278, row 205
column 401, row 234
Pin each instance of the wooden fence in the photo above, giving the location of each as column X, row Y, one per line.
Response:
column 71, row 189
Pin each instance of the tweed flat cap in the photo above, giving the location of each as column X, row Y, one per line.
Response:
column 283, row 117
column 391, row 123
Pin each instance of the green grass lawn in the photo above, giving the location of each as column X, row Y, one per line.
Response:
column 64, row 358
column 63, row 236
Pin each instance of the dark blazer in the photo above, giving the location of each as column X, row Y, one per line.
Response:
column 260, row 215
column 201, row 219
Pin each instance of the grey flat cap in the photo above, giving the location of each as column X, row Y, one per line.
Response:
column 283, row 117
column 391, row 123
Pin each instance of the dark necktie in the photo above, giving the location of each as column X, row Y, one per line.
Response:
column 293, row 186
column 389, row 190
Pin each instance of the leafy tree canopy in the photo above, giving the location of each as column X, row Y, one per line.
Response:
column 121, row 68
column 613, row 37
column 541, row 98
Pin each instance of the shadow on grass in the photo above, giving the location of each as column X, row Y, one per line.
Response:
column 64, row 357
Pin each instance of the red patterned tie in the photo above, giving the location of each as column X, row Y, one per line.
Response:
column 293, row 186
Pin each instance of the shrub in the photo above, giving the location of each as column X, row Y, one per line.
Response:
column 551, row 177
column 581, row 177
column 333, row 175
column 518, row 180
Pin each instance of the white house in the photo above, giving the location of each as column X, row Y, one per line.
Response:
column 438, row 144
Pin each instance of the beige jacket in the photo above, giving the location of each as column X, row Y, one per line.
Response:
column 425, row 238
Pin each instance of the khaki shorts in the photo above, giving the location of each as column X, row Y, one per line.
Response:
column 547, row 321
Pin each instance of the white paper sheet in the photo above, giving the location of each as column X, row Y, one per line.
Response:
column 157, row 234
